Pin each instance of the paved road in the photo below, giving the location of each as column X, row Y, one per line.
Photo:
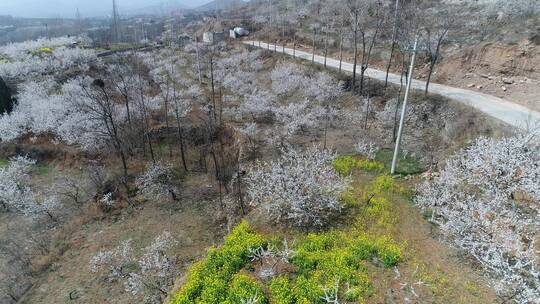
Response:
column 510, row 113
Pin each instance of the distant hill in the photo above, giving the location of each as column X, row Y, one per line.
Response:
column 221, row 5
column 158, row 9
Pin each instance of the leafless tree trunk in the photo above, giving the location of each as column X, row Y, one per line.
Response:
column 367, row 49
column 198, row 59
column 355, row 50
column 144, row 115
column 313, row 48
column 294, row 44
column 179, row 130
column 213, row 87
column 325, row 47
column 102, row 107
column 434, row 53
column 340, row 49
column 393, row 47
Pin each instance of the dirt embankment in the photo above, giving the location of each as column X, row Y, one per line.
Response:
column 511, row 72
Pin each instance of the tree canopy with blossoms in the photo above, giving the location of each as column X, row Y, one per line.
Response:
column 487, row 202
column 300, row 188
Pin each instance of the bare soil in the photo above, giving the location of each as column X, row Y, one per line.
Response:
column 193, row 224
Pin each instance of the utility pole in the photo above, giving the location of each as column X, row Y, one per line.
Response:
column 115, row 27
column 78, row 21
column 404, row 110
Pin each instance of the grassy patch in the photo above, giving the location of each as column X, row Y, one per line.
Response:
column 321, row 260
column 210, row 280
column 41, row 169
column 407, row 165
column 345, row 164
column 4, row 163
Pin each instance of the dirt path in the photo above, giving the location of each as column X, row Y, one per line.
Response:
column 506, row 111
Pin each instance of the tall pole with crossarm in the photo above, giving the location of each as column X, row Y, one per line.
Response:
column 404, row 110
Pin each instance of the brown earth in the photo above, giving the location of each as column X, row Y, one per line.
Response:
column 511, row 72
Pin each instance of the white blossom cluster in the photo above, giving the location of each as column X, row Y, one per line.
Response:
column 323, row 88
column 294, row 117
column 150, row 275
column 258, row 103
column 67, row 113
column 287, row 78
column 300, row 188
column 157, row 181
column 366, row 148
column 29, row 58
column 16, row 191
column 237, row 72
column 487, row 202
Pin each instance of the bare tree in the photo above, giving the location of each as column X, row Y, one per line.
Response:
column 372, row 23
column 366, row 20
column 354, row 8
column 393, row 47
column 98, row 104
column 436, row 27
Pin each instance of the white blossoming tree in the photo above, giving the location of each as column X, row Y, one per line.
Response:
column 148, row 275
column 287, row 78
column 300, row 188
column 42, row 56
column 17, row 193
column 366, row 148
column 487, row 202
column 325, row 91
column 157, row 182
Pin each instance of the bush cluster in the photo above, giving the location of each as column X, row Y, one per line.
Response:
column 322, row 261
column 345, row 164
column 215, row 279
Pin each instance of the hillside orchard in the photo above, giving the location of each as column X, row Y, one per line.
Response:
column 121, row 171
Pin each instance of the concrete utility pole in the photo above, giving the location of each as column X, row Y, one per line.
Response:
column 404, row 110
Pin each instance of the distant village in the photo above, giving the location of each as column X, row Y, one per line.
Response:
column 124, row 30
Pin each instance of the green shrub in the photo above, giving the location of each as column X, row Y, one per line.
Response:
column 388, row 251
column 307, row 290
column 244, row 288
column 347, row 198
column 382, row 247
column 281, row 291
column 383, row 183
column 370, row 165
column 321, row 260
column 208, row 281
column 345, row 164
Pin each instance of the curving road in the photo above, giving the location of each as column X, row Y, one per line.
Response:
column 506, row 111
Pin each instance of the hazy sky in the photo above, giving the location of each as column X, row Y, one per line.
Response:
column 67, row 8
